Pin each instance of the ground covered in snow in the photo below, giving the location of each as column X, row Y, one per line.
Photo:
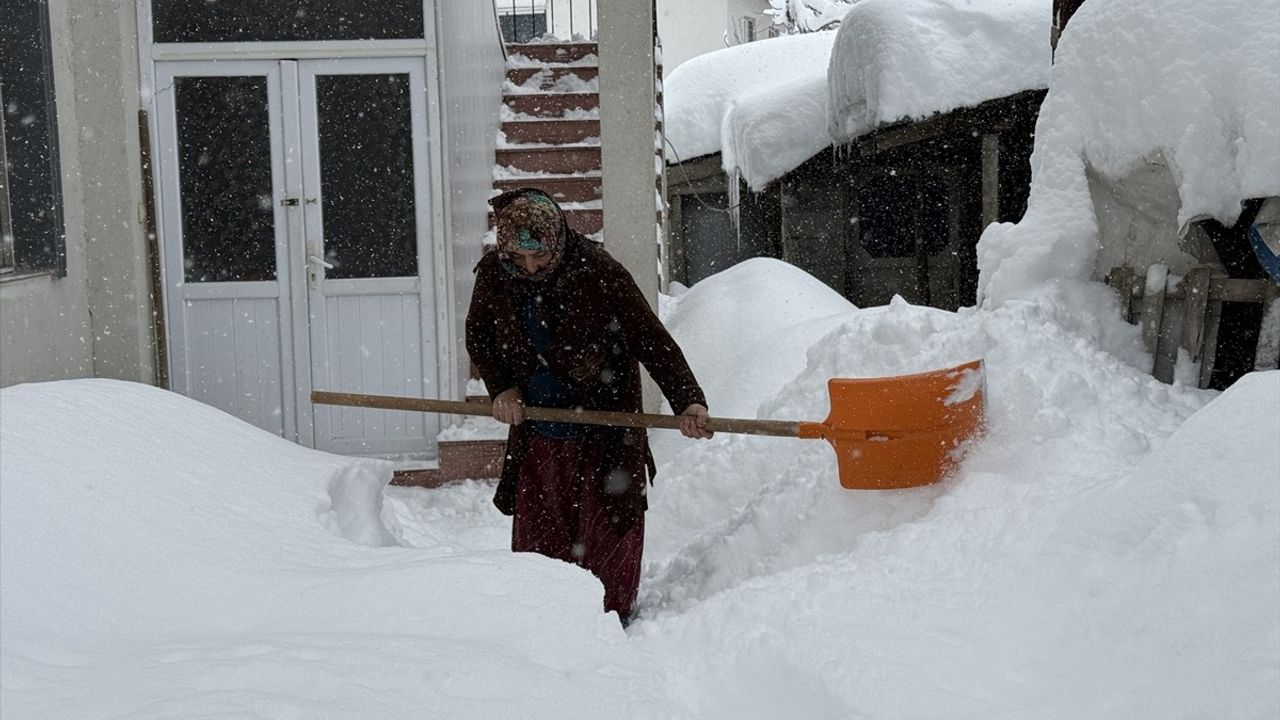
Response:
column 1111, row 549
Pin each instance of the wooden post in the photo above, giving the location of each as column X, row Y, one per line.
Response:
column 990, row 178
column 1153, row 308
column 1120, row 279
column 160, row 350
column 922, row 255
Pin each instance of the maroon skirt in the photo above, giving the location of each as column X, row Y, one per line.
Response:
column 560, row 514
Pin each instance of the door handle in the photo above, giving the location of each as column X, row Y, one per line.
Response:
column 320, row 261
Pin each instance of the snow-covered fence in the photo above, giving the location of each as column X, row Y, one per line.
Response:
column 1180, row 317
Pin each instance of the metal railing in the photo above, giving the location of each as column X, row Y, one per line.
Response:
column 525, row 21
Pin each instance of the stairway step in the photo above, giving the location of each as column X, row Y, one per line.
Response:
column 561, row 188
column 587, row 222
column 521, row 75
column 550, row 105
column 562, row 160
column 459, row 460
column 550, row 131
column 551, row 52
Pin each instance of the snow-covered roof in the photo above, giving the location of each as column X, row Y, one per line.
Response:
column 908, row 59
column 762, row 104
column 1192, row 85
column 770, row 105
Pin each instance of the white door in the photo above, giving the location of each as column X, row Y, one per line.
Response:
column 296, row 219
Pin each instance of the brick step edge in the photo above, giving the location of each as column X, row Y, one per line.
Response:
column 459, row 460
column 553, row 52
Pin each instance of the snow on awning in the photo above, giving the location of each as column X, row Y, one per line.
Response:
column 899, row 60
column 763, row 105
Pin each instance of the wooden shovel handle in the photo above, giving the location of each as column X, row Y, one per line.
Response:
column 780, row 428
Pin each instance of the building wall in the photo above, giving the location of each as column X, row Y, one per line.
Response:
column 96, row 321
column 472, row 69
column 689, row 29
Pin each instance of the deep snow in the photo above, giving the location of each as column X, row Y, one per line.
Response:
column 1188, row 84
column 1110, row 550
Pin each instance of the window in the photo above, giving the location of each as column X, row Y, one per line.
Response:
column 522, row 27
column 899, row 210
column 30, row 182
column 192, row 21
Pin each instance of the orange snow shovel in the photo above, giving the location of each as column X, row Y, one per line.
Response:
column 888, row 433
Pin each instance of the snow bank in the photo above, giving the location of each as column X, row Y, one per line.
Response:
column 908, row 59
column 762, row 104
column 1185, row 83
column 1111, row 549
column 742, row 319
column 160, row 559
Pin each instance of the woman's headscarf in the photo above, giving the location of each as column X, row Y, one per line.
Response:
column 527, row 219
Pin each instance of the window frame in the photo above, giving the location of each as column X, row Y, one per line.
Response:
column 42, row 248
column 7, row 265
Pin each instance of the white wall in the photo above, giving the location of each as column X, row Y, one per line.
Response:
column 96, row 321
column 691, row 28
column 472, row 69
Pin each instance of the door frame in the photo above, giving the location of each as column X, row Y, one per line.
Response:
column 169, row 228
column 429, row 255
column 151, row 55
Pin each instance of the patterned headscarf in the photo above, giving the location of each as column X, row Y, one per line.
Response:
column 528, row 219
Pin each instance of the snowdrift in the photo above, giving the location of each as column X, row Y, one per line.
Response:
column 161, row 559
column 1111, row 549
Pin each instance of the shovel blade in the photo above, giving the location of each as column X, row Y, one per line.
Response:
column 904, row 431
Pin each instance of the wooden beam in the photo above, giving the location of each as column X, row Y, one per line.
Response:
column 1195, row 302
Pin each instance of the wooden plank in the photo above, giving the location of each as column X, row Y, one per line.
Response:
column 1153, row 307
column 1213, row 318
column 1227, row 290
column 1196, row 301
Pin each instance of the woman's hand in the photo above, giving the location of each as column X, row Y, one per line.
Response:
column 508, row 407
column 693, row 422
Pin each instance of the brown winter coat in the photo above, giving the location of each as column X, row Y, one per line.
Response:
column 601, row 327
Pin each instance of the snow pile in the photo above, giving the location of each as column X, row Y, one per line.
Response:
column 780, row 306
column 908, row 59
column 763, row 105
column 1189, row 84
column 160, row 559
column 1110, row 550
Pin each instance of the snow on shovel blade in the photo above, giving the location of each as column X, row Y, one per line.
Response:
column 902, row 431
